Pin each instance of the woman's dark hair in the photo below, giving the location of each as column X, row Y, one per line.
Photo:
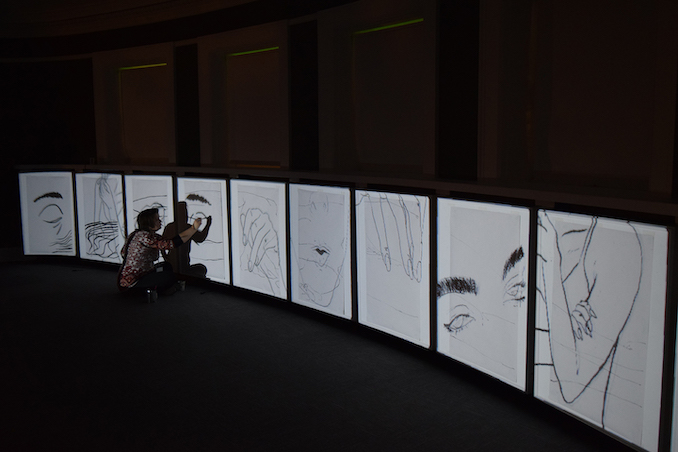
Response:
column 146, row 219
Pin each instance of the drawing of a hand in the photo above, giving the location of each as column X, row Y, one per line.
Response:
column 396, row 225
column 259, row 235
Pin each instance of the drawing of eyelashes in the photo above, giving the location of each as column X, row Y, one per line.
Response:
column 460, row 318
column 514, row 290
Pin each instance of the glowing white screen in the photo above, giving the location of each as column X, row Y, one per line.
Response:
column 101, row 217
column 320, row 247
column 392, row 243
column 206, row 254
column 483, row 254
column 258, row 242
column 601, row 292
column 146, row 192
column 47, row 213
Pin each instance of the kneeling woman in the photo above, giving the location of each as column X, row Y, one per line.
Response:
column 142, row 248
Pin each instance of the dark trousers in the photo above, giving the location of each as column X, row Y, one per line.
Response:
column 162, row 278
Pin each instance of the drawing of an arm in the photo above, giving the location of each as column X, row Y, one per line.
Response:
column 595, row 284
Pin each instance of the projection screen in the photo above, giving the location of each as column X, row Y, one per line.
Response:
column 101, row 217
column 320, row 247
column 206, row 254
column 47, row 213
column 601, row 293
column 259, row 236
column 392, row 247
column 481, row 293
column 146, row 192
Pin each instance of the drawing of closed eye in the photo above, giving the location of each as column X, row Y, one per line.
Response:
column 52, row 214
column 460, row 318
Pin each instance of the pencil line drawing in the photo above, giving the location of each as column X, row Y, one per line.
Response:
column 320, row 246
column 100, row 207
column 47, row 213
column 595, row 315
column 482, row 286
column 261, row 252
column 53, row 215
column 393, row 263
column 574, row 364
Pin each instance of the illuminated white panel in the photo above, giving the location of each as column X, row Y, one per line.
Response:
column 601, row 293
column 206, row 254
column 481, row 293
column 101, row 217
column 47, row 213
column 320, row 247
column 259, row 245
column 147, row 192
column 392, row 246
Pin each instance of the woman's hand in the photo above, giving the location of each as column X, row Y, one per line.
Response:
column 196, row 223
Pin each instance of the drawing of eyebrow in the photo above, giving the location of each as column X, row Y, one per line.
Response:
column 513, row 259
column 456, row 285
column 573, row 231
column 51, row 194
column 195, row 197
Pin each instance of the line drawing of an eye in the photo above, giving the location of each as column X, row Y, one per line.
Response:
column 460, row 318
column 51, row 213
column 514, row 290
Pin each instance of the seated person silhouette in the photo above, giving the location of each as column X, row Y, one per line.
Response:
column 180, row 257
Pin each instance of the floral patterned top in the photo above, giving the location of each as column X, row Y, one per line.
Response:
column 141, row 249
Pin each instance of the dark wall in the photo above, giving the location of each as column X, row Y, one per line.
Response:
column 46, row 117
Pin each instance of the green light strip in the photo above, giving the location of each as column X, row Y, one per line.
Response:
column 253, row 51
column 386, row 27
column 142, row 67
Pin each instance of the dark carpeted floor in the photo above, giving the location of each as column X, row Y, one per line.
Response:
column 215, row 368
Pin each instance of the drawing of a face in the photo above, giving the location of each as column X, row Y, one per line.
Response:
column 51, row 214
column 322, row 237
column 482, row 315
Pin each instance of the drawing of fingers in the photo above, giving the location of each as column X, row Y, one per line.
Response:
column 380, row 228
column 259, row 234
